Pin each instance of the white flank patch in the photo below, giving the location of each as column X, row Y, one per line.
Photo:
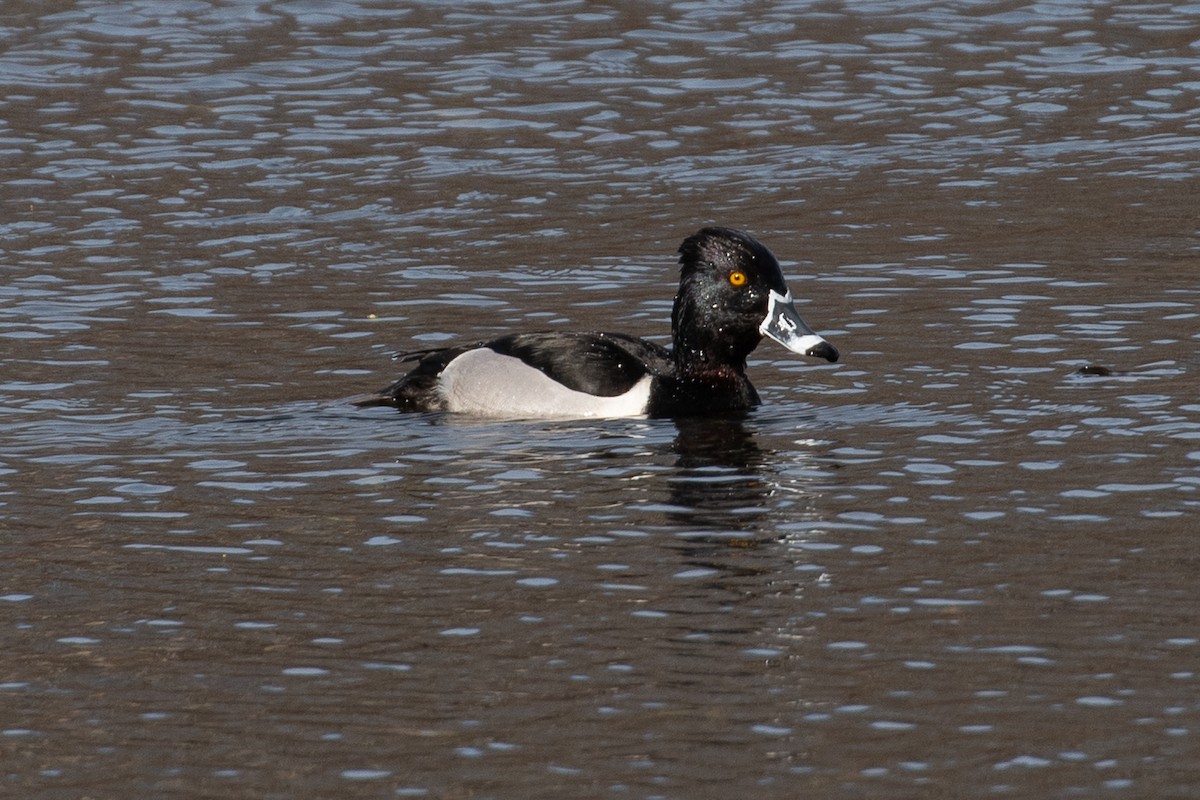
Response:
column 485, row 383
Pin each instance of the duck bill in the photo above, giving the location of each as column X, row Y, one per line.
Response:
column 784, row 325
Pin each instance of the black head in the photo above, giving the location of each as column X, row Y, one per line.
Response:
column 725, row 303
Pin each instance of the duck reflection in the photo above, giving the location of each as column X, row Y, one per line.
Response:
column 719, row 486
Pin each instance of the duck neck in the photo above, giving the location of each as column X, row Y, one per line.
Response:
column 703, row 348
column 702, row 361
column 707, row 381
column 705, row 356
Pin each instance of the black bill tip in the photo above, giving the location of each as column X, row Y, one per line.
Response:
column 823, row 350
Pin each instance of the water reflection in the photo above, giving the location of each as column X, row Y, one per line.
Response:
column 718, row 485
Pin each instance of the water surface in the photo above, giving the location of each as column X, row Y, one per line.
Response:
column 959, row 562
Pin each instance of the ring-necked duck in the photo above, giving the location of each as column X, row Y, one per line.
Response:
column 731, row 294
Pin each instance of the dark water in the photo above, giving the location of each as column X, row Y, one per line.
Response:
column 948, row 566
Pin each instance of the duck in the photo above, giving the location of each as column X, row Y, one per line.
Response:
column 731, row 295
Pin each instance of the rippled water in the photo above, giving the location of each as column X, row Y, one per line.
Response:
column 961, row 562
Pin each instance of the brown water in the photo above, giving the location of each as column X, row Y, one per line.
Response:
column 948, row 566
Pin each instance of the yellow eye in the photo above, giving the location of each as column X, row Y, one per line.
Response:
column 737, row 278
